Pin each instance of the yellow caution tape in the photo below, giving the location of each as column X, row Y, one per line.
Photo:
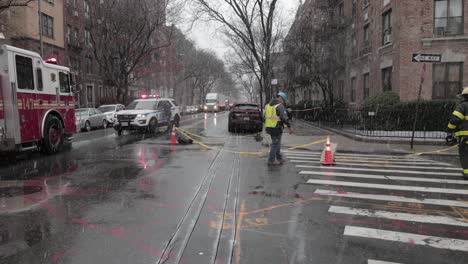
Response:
column 258, row 153
column 431, row 152
column 222, row 150
column 306, row 145
column 305, row 110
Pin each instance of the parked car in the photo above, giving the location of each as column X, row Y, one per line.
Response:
column 89, row 118
column 245, row 116
column 148, row 115
column 110, row 111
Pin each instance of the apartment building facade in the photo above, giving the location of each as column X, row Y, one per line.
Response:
column 381, row 37
column 20, row 27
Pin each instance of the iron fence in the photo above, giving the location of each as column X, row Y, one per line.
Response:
column 394, row 123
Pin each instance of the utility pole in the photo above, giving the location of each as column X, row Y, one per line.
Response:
column 41, row 43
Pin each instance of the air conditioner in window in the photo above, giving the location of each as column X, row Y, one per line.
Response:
column 75, row 13
column 388, row 39
column 366, row 16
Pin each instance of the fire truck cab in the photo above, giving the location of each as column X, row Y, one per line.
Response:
column 36, row 102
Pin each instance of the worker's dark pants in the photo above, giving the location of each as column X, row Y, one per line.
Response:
column 275, row 148
column 463, row 153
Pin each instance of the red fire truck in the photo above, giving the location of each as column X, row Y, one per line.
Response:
column 36, row 102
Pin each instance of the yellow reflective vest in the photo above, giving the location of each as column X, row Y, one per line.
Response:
column 271, row 117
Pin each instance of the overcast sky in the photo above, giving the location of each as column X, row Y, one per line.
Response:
column 205, row 35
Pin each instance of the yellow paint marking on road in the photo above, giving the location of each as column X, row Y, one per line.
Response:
column 463, row 213
column 238, row 229
column 270, row 224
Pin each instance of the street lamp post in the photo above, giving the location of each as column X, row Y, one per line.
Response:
column 41, row 42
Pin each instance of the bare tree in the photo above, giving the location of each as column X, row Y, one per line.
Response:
column 124, row 35
column 6, row 4
column 250, row 26
column 315, row 48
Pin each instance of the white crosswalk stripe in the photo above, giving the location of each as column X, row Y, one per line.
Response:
column 416, row 239
column 380, row 177
column 371, row 161
column 383, row 165
column 372, row 261
column 367, row 179
column 431, row 219
column 391, row 198
column 385, row 171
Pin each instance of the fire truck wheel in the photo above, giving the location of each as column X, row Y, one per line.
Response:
column 53, row 135
column 153, row 126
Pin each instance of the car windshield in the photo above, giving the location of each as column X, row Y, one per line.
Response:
column 211, row 101
column 246, row 107
column 107, row 108
column 142, row 105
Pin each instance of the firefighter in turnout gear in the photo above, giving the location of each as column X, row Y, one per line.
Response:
column 458, row 131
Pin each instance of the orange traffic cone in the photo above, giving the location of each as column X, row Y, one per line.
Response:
column 328, row 157
column 173, row 136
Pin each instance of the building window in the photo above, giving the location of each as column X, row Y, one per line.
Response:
column 354, row 8
column 89, row 93
column 341, row 9
column 76, row 34
column 89, row 65
column 365, row 86
column 387, row 79
column 353, row 89
column 365, row 3
column 448, row 17
column 88, row 38
column 40, row 83
column 86, row 9
column 387, row 27
column 447, row 80
column 24, row 73
column 341, row 89
column 366, row 35
column 68, row 35
column 47, row 26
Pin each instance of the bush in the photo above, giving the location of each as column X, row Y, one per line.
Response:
column 386, row 99
column 433, row 116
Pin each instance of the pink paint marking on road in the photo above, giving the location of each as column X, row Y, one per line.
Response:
column 57, row 256
column 411, row 242
column 119, row 231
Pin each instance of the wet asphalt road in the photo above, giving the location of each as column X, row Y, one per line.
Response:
column 136, row 199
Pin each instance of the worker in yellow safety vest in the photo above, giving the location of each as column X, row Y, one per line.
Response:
column 276, row 118
column 458, row 129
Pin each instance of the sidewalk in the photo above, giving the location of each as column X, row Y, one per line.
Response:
column 307, row 133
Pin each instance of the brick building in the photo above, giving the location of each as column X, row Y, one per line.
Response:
column 381, row 38
column 20, row 26
column 90, row 90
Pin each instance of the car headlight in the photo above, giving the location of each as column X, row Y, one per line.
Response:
column 206, row 107
column 142, row 115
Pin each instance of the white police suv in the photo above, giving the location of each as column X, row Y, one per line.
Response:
column 148, row 115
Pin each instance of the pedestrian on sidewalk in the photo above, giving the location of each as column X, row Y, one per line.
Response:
column 458, row 126
column 276, row 118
